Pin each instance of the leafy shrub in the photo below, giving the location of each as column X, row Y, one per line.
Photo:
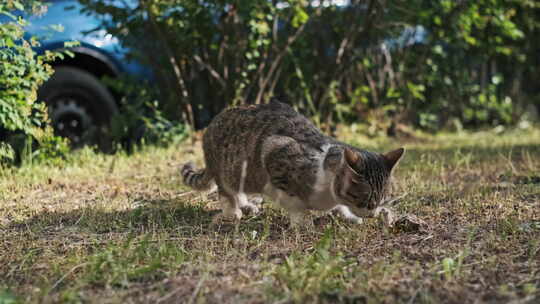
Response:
column 211, row 55
column 475, row 59
column 141, row 120
column 23, row 121
column 426, row 63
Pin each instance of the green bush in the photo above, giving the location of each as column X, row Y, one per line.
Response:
column 140, row 121
column 211, row 55
column 337, row 63
column 476, row 60
column 23, row 121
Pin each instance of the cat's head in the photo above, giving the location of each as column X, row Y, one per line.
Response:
column 366, row 179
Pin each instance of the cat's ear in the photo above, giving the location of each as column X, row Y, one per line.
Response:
column 351, row 176
column 393, row 157
column 351, row 157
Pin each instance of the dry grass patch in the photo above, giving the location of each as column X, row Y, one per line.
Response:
column 110, row 229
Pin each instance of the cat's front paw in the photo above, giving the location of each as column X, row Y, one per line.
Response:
column 345, row 213
column 250, row 205
column 357, row 220
column 227, row 216
column 335, row 215
column 251, row 208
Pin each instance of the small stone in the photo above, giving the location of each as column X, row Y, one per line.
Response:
column 408, row 223
column 400, row 223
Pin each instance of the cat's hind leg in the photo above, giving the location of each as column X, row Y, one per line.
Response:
column 250, row 202
column 230, row 207
column 255, row 199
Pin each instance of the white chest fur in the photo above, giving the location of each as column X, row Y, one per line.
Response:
column 323, row 196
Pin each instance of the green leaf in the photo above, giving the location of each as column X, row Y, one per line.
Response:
column 9, row 43
column 18, row 5
column 300, row 17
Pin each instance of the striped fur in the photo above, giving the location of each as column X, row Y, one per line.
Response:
column 270, row 149
column 197, row 179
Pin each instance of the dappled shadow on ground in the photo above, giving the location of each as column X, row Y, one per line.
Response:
column 481, row 206
column 463, row 178
column 177, row 218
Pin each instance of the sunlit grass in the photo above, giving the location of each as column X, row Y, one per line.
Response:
column 122, row 228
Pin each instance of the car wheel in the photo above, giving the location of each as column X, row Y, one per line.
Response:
column 79, row 104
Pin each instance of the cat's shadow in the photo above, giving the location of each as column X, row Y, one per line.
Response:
column 163, row 216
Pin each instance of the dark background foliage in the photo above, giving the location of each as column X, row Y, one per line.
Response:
column 23, row 121
column 383, row 63
column 431, row 64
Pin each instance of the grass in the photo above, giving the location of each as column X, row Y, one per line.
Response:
column 122, row 229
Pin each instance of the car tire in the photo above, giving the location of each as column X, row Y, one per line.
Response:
column 79, row 104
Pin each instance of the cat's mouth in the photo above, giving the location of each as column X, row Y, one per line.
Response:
column 365, row 212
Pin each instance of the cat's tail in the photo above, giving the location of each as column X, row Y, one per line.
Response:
column 197, row 179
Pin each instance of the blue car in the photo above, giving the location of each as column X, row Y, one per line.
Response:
column 76, row 96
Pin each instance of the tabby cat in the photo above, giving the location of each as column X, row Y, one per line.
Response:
column 272, row 150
